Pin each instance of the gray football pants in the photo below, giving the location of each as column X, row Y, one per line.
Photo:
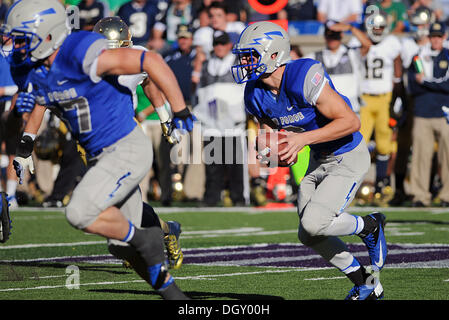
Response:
column 329, row 186
column 113, row 181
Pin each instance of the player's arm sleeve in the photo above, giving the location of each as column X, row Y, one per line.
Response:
column 314, row 82
column 90, row 60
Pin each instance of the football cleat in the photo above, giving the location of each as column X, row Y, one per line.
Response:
column 366, row 292
column 171, row 241
column 376, row 243
column 5, row 219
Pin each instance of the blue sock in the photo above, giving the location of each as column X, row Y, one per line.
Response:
column 154, row 272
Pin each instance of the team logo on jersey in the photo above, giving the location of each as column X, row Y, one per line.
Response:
column 443, row 64
column 316, row 79
column 292, row 118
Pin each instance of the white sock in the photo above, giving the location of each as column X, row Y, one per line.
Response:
column 11, row 187
column 344, row 225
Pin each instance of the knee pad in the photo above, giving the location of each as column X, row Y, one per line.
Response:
column 74, row 216
column 312, row 221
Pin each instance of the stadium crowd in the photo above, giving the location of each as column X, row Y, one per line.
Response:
column 392, row 68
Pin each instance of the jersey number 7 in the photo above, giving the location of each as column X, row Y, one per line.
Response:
column 81, row 105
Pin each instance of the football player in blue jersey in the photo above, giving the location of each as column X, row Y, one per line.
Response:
column 76, row 76
column 299, row 96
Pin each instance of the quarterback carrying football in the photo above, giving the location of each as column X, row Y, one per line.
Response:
column 277, row 88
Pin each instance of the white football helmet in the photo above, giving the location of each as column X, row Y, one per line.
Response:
column 36, row 27
column 376, row 25
column 260, row 40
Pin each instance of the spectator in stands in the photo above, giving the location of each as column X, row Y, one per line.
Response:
column 140, row 16
column 343, row 63
column 397, row 14
column 298, row 10
column 345, row 11
column 222, row 114
column 295, row 52
column 164, row 30
column 203, row 37
column 91, row 11
column 3, row 11
column 180, row 60
column 430, row 88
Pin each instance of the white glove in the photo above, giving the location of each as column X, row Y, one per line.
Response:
column 20, row 164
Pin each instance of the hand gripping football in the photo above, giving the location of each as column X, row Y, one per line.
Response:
column 268, row 149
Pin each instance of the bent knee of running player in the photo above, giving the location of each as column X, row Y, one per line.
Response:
column 317, row 218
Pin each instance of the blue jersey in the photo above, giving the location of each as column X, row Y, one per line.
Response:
column 5, row 77
column 294, row 108
column 98, row 111
column 140, row 20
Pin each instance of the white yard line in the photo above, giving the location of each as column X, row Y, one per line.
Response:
column 331, row 278
column 44, row 245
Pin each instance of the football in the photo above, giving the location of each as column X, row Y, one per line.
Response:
column 268, row 148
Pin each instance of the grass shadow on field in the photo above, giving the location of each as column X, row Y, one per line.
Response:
column 195, row 295
column 33, row 266
column 438, row 222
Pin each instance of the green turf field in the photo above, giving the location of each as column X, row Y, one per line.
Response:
column 229, row 255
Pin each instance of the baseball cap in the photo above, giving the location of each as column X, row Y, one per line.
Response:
column 221, row 37
column 437, row 29
column 184, row 31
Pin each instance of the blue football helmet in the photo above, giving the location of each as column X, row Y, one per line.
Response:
column 255, row 49
column 33, row 30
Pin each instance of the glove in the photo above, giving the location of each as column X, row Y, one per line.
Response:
column 25, row 102
column 20, row 164
column 183, row 120
column 23, row 157
column 170, row 132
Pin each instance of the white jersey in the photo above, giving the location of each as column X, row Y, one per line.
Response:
column 409, row 49
column 133, row 80
column 343, row 67
column 378, row 71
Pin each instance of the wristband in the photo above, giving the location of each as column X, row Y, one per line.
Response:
column 183, row 114
column 25, row 147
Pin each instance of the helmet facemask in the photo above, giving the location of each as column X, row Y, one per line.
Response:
column 250, row 66
column 17, row 46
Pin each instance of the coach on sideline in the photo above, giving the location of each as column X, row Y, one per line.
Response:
column 430, row 87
